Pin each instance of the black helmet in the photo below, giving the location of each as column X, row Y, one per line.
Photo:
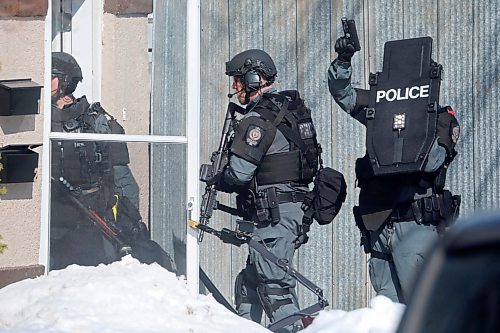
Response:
column 67, row 69
column 253, row 59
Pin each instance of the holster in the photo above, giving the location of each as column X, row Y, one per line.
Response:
column 365, row 234
column 363, row 170
column 245, row 205
column 449, row 206
column 267, row 206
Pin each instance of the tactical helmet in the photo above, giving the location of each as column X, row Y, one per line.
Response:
column 252, row 60
column 67, row 69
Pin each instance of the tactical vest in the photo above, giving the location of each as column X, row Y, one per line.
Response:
column 289, row 114
column 402, row 116
column 85, row 163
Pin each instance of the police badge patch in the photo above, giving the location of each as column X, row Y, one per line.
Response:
column 254, row 135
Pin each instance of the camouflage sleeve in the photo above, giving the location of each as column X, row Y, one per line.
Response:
column 350, row 99
column 239, row 171
column 436, row 158
column 125, row 184
column 339, row 83
column 443, row 149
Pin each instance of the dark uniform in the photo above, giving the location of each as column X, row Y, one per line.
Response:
column 270, row 175
column 391, row 212
column 98, row 170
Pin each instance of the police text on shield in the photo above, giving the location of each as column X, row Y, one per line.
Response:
column 400, row 94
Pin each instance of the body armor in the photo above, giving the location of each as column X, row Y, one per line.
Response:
column 402, row 115
column 86, row 163
column 287, row 113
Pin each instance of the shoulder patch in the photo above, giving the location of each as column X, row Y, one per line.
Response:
column 254, row 135
column 306, row 130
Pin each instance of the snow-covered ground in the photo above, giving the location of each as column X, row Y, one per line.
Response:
column 130, row 297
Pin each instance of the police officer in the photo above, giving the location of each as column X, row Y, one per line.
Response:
column 270, row 175
column 395, row 227
column 97, row 170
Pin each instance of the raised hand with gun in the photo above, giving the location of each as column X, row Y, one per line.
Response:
column 348, row 44
column 410, row 142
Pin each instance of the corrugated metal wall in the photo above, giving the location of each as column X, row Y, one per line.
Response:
column 168, row 179
column 300, row 35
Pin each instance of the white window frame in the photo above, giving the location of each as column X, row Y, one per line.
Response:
column 192, row 138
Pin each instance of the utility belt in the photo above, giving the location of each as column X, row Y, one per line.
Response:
column 265, row 203
column 439, row 209
column 431, row 210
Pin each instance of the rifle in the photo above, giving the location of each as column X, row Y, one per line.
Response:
column 108, row 230
column 350, row 32
column 211, row 173
column 243, row 234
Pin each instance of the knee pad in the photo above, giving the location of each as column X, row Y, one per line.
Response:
column 244, row 290
column 282, row 296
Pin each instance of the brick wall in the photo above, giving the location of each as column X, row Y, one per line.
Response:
column 128, row 7
column 23, row 8
column 10, row 275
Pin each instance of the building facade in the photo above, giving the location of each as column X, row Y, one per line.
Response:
column 149, row 99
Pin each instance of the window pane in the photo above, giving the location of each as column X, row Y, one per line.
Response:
column 168, row 200
column 119, row 66
column 169, row 76
column 100, row 193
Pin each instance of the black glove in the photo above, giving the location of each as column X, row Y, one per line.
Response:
column 345, row 49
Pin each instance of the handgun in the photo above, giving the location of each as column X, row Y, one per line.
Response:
column 351, row 33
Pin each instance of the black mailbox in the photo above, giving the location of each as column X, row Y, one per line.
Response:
column 18, row 163
column 19, row 97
